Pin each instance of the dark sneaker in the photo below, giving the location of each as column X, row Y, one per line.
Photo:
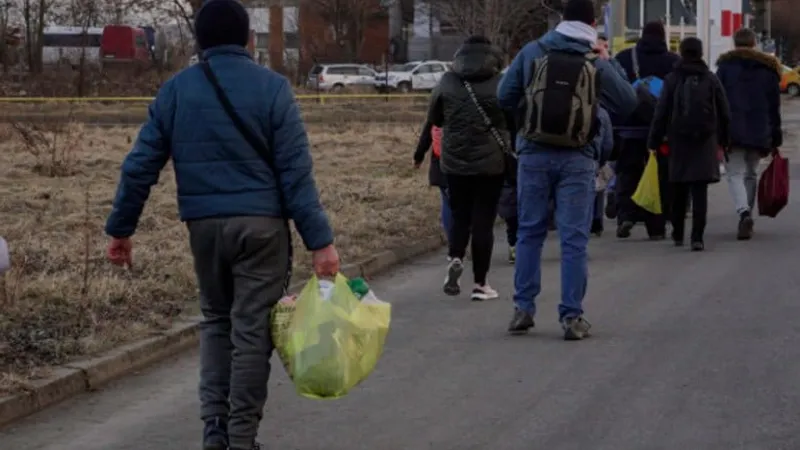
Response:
column 575, row 328
column 597, row 227
column 745, row 231
column 452, row 284
column 624, row 230
column 484, row 292
column 677, row 240
column 512, row 254
column 611, row 205
column 521, row 322
column 698, row 246
column 215, row 435
column 657, row 237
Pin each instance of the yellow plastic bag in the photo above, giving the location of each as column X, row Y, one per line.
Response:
column 328, row 340
column 648, row 194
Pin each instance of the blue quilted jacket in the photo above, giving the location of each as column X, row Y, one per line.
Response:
column 218, row 174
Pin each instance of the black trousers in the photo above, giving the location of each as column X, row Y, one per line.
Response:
column 473, row 201
column 628, row 177
column 512, row 225
column 682, row 192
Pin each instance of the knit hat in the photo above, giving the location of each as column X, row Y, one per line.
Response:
column 691, row 48
column 579, row 11
column 222, row 22
column 654, row 30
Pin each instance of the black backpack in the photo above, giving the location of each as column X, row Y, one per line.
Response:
column 562, row 100
column 694, row 111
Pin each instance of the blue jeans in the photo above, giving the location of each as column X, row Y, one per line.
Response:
column 570, row 176
column 447, row 214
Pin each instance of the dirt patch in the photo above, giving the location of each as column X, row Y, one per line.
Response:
column 62, row 299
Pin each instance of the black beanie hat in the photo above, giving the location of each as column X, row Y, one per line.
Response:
column 654, row 30
column 691, row 48
column 222, row 22
column 579, row 11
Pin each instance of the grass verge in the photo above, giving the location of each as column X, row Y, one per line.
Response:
column 62, row 300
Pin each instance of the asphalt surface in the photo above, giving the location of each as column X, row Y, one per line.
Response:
column 690, row 351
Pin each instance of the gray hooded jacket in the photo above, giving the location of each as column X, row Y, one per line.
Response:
column 468, row 147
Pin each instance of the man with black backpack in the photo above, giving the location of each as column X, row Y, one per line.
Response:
column 751, row 79
column 646, row 66
column 237, row 142
column 693, row 114
column 563, row 77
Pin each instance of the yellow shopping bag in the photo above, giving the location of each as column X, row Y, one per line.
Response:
column 329, row 340
column 648, row 194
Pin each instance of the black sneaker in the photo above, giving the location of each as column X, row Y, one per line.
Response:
column 677, row 240
column 215, row 435
column 698, row 246
column 745, row 231
column 657, row 237
column 611, row 205
column 624, row 230
column 597, row 227
column 575, row 328
column 521, row 322
column 452, row 283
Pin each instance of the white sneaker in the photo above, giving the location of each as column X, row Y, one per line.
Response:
column 452, row 283
column 485, row 292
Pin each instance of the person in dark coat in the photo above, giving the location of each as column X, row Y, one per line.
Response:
column 473, row 157
column 435, row 176
column 693, row 161
column 751, row 80
column 650, row 57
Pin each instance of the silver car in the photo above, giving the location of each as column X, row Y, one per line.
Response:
column 335, row 77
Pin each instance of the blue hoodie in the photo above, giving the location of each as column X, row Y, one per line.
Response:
column 603, row 144
column 616, row 94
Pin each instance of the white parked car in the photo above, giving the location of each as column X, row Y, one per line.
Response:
column 412, row 76
column 335, row 77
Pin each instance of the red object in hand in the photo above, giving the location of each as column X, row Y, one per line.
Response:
column 773, row 187
column 664, row 149
column 120, row 251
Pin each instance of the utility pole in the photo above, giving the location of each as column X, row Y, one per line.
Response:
column 618, row 18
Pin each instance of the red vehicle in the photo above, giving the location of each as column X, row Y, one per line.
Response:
column 124, row 44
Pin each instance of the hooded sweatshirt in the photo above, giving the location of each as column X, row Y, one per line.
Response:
column 468, row 146
column 616, row 95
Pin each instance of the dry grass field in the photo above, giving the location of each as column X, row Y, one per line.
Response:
column 62, row 299
column 332, row 110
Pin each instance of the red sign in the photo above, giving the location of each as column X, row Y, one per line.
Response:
column 737, row 21
column 726, row 23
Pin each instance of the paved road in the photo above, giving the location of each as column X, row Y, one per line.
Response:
column 691, row 351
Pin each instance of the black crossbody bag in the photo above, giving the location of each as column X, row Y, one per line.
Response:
column 263, row 151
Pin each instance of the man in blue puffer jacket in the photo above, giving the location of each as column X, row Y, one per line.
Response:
column 236, row 209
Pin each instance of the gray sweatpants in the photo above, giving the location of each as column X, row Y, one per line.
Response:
column 241, row 265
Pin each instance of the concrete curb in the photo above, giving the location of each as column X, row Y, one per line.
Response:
column 90, row 374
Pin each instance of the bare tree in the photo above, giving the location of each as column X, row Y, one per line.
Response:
column 34, row 15
column 501, row 21
column 348, row 21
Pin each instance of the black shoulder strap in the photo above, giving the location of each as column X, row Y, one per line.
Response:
column 247, row 133
column 260, row 147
